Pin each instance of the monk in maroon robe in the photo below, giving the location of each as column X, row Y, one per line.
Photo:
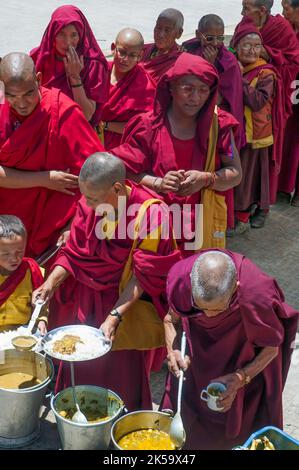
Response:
column 208, row 44
column 92, row 267
column 281, row 49
column 70, row 59
column 240, row 333
column 160, row 56
column 40, row 154
column 289, row 175
column 131, row 88
column 167, row 149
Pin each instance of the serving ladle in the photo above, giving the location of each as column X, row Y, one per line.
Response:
column 176, row 431
column 78, row 417
column 27, row 341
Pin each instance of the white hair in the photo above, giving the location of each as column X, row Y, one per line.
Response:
column 174, row 15
column 213, row 276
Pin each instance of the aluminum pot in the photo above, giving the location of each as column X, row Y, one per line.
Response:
column 19, row 408
column 139, row 420
column 93, row 436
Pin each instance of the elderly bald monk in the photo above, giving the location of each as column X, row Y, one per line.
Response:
column 104, row 269
column 40, row 154
column 131, row 88
column 160, row 56
column 240, row 333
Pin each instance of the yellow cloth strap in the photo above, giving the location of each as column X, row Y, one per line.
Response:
column 214, row 205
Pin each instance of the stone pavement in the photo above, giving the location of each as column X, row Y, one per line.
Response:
column 275, row 248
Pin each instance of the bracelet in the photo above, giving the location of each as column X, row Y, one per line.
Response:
column 154, row 184
column 242, row 376
column 212, row 181
column 115, row 313
column 43, row 318
column 77, row 85
column 208, row 179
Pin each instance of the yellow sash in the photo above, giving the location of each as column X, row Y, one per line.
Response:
column 214, row 205
column 141, row 327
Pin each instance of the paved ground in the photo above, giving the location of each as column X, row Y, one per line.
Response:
column 276, row 250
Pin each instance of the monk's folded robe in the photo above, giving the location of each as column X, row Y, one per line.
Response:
column 16, row 292
column 95, row 73
column 132, row 95
column 148, row 145
column 157, row 65
column 55, row 136
column 91, row 291
column 257, row 317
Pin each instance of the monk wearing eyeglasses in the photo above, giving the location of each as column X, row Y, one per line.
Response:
column 185, row 148
column 160, row 56
column 131, row 88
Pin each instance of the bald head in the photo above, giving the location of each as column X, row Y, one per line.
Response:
column 130, row 37
column 174, row 16
column 17, row 67
column 268, row 4
column 210, row 21
column 213, row 277
column 102, row 170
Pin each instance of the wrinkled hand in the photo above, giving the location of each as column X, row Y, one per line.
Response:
column 42, row 327
column 175, row 362
column 171, row 181
column 64, row 237
column 63, row 182
column 194, row 181
column 210, row 53
column 226, row 398
column 44, row 293
column 73, row 64
column 109, row 327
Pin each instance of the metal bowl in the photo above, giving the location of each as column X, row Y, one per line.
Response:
column 104, row 343
column 30, row 340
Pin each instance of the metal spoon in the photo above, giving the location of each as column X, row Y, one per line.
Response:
column 176, row 431
column 78, row 417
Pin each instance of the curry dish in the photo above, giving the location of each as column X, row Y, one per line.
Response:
column 92, row 415
column 18, row 380
column 66, row 345
column 146, row 439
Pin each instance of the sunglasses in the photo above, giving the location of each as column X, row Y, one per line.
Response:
column 210, row 38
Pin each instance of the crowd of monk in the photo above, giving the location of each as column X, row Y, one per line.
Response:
column 88, row 147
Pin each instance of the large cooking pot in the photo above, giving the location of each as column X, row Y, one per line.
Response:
column 139, row 420
column 93, row 436
column 19, row 408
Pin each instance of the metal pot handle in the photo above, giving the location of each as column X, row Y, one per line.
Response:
column 168, row 412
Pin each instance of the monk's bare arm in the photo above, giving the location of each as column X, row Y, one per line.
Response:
column 55, row 180
column 117, row 127
column 47, row 289
column 261, row 361
column 88, row 106
column 173, row 331
column 230, row 175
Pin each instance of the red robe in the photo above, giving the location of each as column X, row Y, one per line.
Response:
column 89, row 294
column 148, row 146
column 257, row 317
column 56, row 136
column 159, row 65
column 94, row 74
column 132, row 95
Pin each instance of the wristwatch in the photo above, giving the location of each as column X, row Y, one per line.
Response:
column 115, row 313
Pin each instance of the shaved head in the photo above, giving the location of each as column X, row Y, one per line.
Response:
column 173, row 15
column 130, row 37
column 213, row 276
column 268, row 4
column 102, row 170
column 210, row 21
column 17, row 67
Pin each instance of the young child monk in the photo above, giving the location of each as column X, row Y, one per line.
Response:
column 19, row 276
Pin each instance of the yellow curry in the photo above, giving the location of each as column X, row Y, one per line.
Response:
column 146, row 439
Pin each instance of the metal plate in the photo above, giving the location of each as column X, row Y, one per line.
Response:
column 104, row 344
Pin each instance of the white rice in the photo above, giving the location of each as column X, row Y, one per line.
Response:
column 92, row 346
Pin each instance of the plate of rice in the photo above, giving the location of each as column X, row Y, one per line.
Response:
column 76, row 343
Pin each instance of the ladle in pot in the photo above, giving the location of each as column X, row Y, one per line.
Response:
column 78, row 417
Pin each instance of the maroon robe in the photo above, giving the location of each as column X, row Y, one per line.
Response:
column 158, row 65
column 92, row 289
column 257, row 317
column 148, row 145
column 44, row 141
column 132, row 95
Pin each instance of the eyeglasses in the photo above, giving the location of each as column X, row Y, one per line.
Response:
column 249, row 47
column 210, row 38
column 189, row 90
column 122, row 53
